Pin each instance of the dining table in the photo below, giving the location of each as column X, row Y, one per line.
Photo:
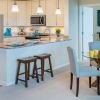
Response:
column 94, row 57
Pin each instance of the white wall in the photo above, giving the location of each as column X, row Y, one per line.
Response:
column 66, row 17
column 95, row 27
column 90, row 2
column 74, row 23
column 87, row 28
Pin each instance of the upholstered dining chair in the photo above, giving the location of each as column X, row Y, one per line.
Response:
column 78, row 71
column 93, row 46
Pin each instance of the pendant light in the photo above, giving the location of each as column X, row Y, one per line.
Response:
column 15, row 7
column 39, row 9
column 58, row 11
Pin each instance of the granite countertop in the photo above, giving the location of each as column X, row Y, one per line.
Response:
column 34, row 42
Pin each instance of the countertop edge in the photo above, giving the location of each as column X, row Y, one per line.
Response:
column 45, row 42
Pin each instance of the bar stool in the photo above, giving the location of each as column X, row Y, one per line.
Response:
column 27, row 62
column 42, row 58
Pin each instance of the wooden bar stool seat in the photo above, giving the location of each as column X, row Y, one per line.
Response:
column 42, row 58
column 27, row 62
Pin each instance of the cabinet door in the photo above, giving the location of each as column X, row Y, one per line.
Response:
column 43, row 4
column 12, row 17
column 21, row 15
column 5, row 11
column 50, row 12
column 1, row 8
column 60, row 18
column 28, row 12
column 34, row 6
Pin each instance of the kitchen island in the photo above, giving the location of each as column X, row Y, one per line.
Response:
column 9, row 55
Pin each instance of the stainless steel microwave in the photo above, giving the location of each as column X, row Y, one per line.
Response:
column 38, row 20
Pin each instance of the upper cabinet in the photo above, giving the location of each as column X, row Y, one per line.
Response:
column 60, row 18
column 52, row 18
column 50, row 12
column 21, row 15
column 28, row 12
column 3, row 10
column 34, row 6
column 27, row 8
column 12, row 17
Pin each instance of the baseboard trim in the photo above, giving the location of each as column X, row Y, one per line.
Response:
column 61, row 66
column 3, row 83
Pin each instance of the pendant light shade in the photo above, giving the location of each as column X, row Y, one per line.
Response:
column 58, row 10
column 15, row 7
column 39, row 9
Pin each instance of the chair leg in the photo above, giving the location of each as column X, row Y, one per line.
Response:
column 77, row 86
column 90, row 78
column 98, row 86
column 71, row 80
column 17, row 74
column 89, row 82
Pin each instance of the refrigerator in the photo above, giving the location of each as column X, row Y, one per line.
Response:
column 1, row 27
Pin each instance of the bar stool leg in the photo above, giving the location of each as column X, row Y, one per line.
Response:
column 28, row 71
column 17, row 75
column 26, row 75
column 35, row 68
column 50, row 67
column 42, row 69
column 33, row 73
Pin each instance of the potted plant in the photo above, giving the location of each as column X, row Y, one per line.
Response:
column 58, row 32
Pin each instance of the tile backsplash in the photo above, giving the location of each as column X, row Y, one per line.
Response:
column 28, row 30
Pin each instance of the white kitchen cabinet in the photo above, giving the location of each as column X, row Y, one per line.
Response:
column 50, row 12
column 4, row 8
column 60, row 18
column 52, row 18
column 12, row 17
column 43, row 4
column 21, row 15
column 28, row 8
column 1, row 8
column 34, row 6
column 28, row 12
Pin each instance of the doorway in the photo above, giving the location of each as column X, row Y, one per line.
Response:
column 86, row 29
